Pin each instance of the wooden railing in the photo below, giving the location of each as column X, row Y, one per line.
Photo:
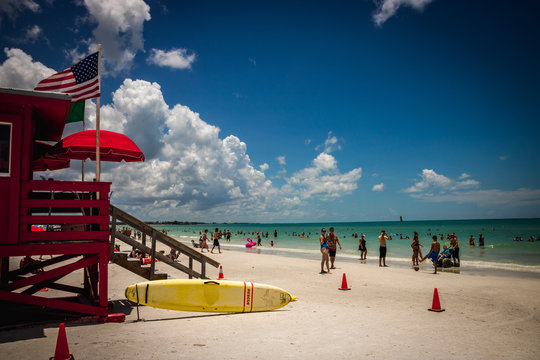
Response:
column 69, row 210
column 118, row 215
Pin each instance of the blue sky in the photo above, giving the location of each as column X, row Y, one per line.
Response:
column 283, row 111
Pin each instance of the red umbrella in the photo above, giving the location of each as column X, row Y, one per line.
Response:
column 43, row 164
column 82, row 145
column 40, row 163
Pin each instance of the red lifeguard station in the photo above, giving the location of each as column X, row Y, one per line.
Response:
column 73, row 215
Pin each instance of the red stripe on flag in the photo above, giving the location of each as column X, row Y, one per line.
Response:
column 56, row 82
column 94, row 92
column 57, row 86
column 59, row 75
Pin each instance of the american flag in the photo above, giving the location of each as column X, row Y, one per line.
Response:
column 81, row 80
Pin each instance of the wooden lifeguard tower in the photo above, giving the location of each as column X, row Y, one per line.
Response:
column 72, row 217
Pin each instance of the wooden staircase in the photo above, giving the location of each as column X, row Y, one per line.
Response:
column 135, row 266
column 148, row 271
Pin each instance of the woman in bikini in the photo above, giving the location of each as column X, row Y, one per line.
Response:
column 324, row 252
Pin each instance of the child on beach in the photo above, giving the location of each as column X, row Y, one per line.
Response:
column 433, row 254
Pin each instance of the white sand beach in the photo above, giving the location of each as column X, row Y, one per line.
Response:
column 383, row 316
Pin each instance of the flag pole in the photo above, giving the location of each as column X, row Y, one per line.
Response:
column 82, row 161
column 98, row 155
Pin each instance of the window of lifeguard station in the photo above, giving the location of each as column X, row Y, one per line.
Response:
column 5, row 148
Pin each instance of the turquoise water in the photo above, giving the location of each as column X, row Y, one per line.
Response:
column 499, row 252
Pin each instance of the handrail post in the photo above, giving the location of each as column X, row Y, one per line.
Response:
column 143, row 238
column 203, row 268
column 113, row 232
column 153, row 257
column 190, row 266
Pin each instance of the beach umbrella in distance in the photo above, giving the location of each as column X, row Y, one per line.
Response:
column 82, row 145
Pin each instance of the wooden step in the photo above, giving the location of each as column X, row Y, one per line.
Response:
column 134, row 265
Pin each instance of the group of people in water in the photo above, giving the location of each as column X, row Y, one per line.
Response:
column 531, row 239
column 435, row 254
column 329, row 242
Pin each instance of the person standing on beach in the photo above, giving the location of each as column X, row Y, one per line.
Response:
column 382, row 248
column 362, row 247
column 332, row 239
column 481, row 240
column 324, row 252
column 204, row 238
column 216, row 241
column 454, row 244
column 417, row 253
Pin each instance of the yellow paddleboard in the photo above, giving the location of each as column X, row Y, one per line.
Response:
column 208, row 295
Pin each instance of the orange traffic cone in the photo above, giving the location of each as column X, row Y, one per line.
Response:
column 344, row 283
column 62, row 349
column 436, row 305
column 220, row 277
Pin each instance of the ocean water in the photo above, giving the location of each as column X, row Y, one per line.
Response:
column 499, row 253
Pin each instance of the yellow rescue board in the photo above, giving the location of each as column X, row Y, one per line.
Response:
column 208, row 295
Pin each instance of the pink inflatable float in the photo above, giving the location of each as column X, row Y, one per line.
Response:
column 250, row 243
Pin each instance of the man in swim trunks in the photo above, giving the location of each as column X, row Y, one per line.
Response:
column 332, row 239
column 481, row 240
column 324, row 252
column 382, row 248
column 454, row 246
column 433, row 254
column 216, row 241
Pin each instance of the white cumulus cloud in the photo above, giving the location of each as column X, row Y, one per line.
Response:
column 388, row 8
column 378, row 187
column 433, row 187
column 429, row 180
column 191, row 171
column 20, row 71
column 33, row 34
column 331, row 143
column 323, row 179
column 175, row 58
column 13, row 8
column 119, row 28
